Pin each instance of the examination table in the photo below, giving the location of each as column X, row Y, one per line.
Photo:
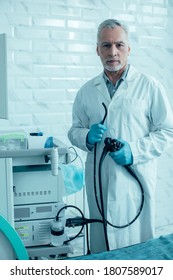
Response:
column 154, row 249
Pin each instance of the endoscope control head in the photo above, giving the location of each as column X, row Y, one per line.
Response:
column 112, row 145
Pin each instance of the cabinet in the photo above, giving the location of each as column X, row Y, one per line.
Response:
column 31, row 197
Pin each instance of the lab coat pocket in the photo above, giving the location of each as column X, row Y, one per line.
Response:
column 134, row 111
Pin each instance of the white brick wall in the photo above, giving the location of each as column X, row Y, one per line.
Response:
column 51, row 53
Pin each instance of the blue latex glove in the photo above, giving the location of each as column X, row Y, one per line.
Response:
column 124, row 155
column 95, row 133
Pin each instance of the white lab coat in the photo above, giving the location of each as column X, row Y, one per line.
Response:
column 140, row 114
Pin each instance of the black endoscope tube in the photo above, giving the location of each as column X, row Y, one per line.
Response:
column 95, row 156
column 100, row 207
column 102, row 210
column 129, row 170
column 106, row 112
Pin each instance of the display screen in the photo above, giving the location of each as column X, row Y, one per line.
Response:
column 3, row 78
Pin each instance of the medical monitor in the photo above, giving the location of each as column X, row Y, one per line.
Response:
column 3, row 78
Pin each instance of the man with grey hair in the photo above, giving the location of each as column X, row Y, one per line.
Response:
column 140, row 117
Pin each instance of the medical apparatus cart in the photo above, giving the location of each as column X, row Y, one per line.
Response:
column 30, row 197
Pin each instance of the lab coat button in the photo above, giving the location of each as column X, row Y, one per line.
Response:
column 112, row 131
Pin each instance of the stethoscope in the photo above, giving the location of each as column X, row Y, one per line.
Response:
column 112, row 145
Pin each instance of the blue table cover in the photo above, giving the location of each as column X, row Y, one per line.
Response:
column 154, row 249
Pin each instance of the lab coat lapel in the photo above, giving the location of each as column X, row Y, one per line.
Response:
column 100, row 85
column 124, row 87
column 132, row 74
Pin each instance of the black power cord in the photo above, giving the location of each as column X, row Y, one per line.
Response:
column 78, row 221
column 82, row 215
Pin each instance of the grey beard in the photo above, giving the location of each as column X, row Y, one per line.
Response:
column 114, row 69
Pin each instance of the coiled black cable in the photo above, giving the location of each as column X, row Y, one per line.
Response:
column 78, row 221
column 101, row 206
column 129, row 170
column 82, row 215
